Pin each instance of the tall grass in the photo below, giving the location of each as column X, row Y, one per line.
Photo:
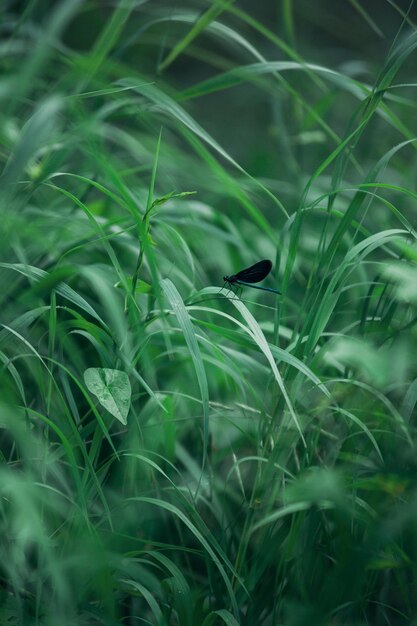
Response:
column 174, row 453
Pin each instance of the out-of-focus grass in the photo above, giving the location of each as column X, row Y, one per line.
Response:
column 266, row 472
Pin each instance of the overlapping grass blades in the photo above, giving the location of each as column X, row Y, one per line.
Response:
column 265, row 471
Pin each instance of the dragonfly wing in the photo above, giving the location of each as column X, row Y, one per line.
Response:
column 255, row 273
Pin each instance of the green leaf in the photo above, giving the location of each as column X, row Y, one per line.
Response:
column 227, row 618
column 112, row 388
column 404, row 275
column 190, row 337
column 37, row 274
column 38, row 131
column 201, row 24
column 170, row 196
column 141, row 286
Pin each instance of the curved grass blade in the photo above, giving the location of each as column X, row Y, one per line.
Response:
column 201, row 539
column 254, row 331
column 64, row 290
column 184, row 321
column 217, row 7
column 224, row 615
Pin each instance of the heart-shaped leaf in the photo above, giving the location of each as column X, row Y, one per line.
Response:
column 112, row 388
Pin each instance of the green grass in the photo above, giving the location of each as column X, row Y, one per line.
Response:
column 171, row 453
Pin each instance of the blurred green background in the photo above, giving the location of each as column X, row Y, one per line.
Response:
column 174, row 453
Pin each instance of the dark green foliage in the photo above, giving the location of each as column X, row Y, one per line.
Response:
column 170, row 453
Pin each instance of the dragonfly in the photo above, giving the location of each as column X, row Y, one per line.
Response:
column 253, row 274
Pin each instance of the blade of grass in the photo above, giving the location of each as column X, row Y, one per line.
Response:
column 184, row 321
column 216, row 8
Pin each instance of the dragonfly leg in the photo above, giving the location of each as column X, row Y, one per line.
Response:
column 221, row 289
